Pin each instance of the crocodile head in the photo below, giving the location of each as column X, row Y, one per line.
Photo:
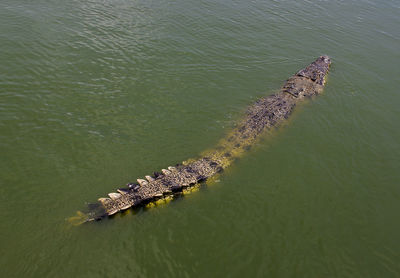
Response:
column 317, row 70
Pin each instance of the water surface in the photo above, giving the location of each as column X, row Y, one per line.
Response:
column 94, row 94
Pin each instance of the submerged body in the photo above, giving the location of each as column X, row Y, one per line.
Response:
column 266, row 113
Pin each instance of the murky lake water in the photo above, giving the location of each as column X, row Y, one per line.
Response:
column 94, row 94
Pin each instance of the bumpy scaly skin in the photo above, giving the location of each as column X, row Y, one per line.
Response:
column 266, row 113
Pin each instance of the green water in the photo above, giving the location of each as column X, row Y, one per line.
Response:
column 94, row 94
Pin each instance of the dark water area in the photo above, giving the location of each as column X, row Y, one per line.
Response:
column 94, row 94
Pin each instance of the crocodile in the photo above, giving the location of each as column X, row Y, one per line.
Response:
column 266, row 113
